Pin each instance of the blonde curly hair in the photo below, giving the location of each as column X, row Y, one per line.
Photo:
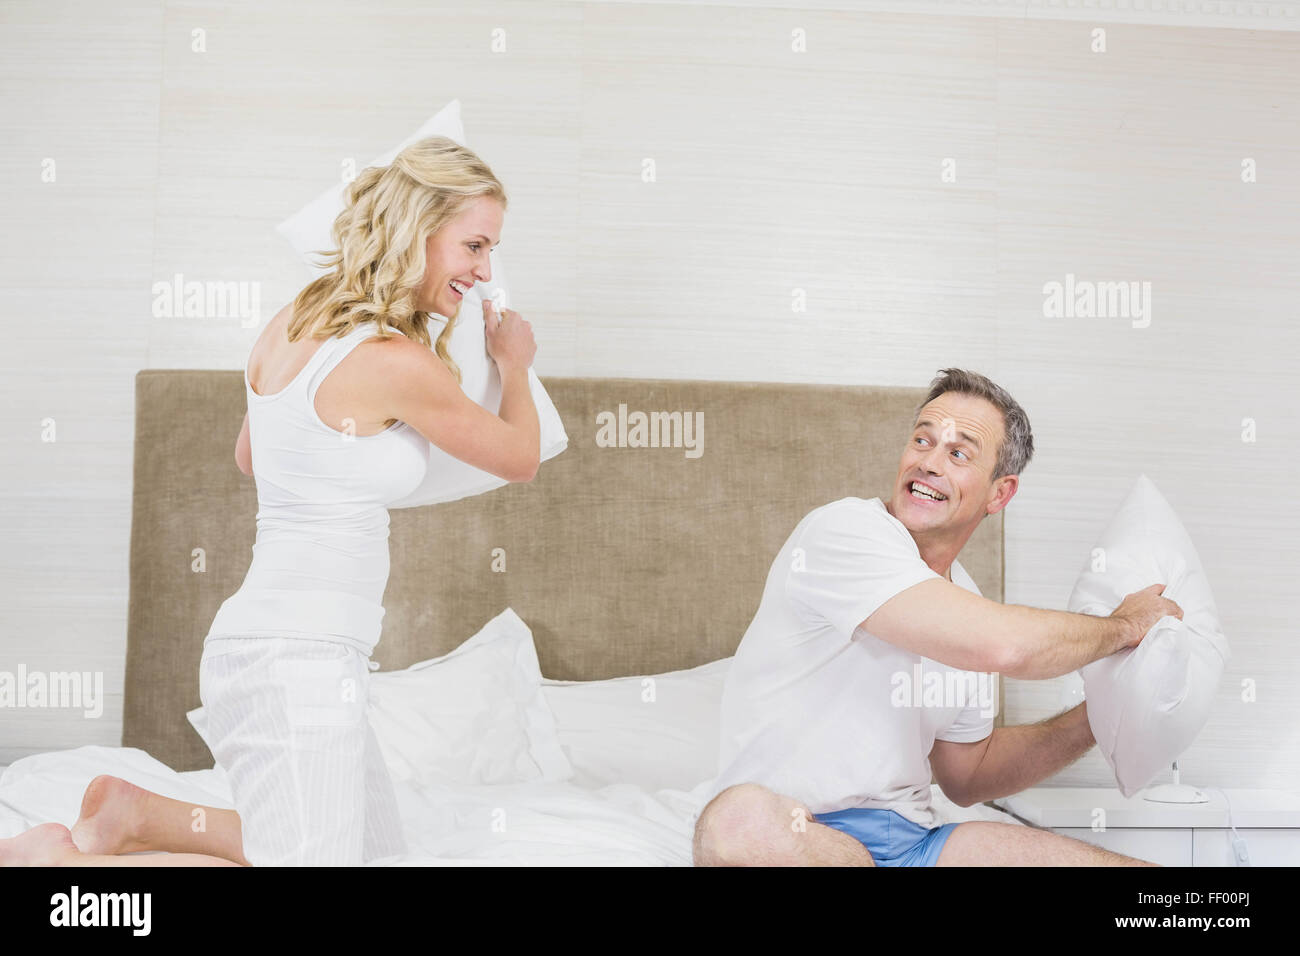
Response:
column 380, row 237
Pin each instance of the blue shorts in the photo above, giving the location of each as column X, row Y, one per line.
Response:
column 891, row 838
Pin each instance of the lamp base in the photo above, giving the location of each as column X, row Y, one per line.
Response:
column 1174, row 793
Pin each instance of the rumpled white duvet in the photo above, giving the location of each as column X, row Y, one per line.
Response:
column 544, row 823
column 492, row 764
column 547, row 824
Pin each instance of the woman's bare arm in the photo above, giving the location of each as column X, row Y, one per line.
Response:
column 423, row 393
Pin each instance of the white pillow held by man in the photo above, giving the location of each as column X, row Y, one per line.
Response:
column 1147, row 704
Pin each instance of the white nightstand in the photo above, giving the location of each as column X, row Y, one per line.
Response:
column 1171, row 834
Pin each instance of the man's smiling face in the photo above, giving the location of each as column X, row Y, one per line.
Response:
column 945, row 477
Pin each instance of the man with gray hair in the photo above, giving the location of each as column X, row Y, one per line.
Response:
column 852, row 683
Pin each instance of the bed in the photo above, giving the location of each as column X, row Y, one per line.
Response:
column 622, row 564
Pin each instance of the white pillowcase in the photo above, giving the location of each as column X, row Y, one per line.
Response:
column 447, row 478
column 658, row 732
column 308, row 230
column 473, row 716
column 1147, row 704
column 476, row 715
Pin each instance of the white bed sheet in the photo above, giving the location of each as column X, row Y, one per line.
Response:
column 536, row 823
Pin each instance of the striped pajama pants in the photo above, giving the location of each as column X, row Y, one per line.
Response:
column 287, row 723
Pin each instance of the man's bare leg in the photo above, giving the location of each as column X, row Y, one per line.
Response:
column 50, row 844
column 983, row 843
column 119, row 817
column 749, row 825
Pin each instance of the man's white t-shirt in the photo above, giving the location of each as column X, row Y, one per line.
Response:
column 817, row 709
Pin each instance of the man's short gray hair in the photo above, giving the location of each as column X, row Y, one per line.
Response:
column 1018, row 443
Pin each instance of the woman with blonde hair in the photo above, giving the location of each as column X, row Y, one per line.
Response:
column 345, row 392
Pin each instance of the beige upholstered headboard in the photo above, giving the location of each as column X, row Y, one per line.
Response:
column 622, row 560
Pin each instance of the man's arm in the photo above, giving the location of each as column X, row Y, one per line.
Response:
column 1011, row 758
column 949, row 624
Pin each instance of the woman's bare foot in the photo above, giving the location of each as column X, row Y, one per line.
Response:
column 114, row 813
column 49, row 844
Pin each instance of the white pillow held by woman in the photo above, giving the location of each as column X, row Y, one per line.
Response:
column 447, row 478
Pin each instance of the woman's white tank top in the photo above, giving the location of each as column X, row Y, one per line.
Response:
column 320, row 560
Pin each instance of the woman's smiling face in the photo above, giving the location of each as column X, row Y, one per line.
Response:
column 458, row 252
